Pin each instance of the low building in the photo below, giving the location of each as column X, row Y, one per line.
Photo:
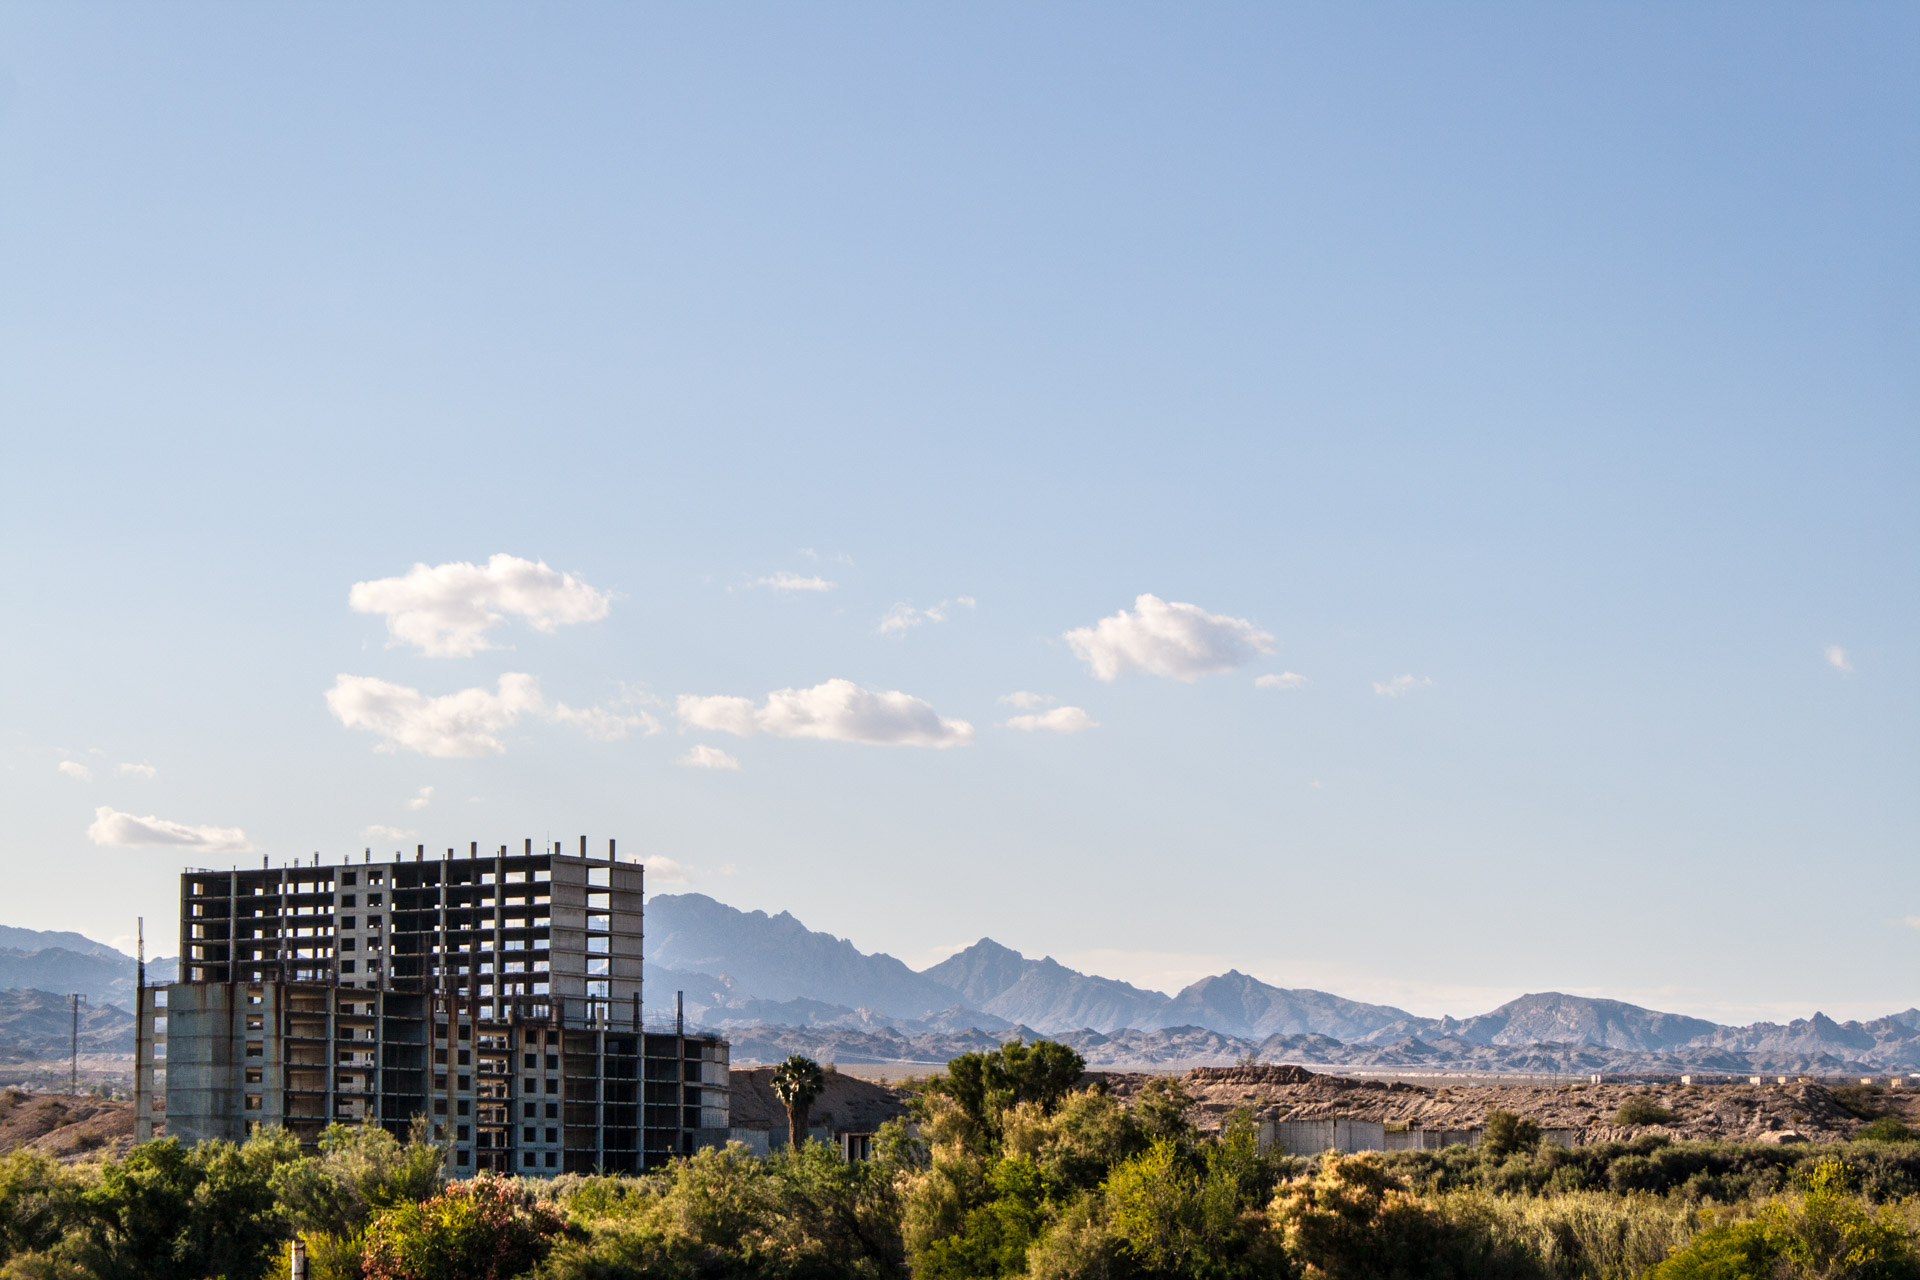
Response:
column 847, row 1114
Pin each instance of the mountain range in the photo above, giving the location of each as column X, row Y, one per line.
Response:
column 771, row 983
column 747, row 972
column 60, row 962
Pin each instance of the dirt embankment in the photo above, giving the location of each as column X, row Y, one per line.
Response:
column 69, row 1127
column 1734, row 1112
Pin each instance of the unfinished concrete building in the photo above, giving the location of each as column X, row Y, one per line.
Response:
column 498, row 996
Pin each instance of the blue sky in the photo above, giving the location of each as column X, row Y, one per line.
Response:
column 1559, row 360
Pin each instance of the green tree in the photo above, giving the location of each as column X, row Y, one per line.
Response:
column 1161, row 1109
column 166, row 1213
column 38, row 1201
column 797, row 1082
column 359, row 1169
column 988, row 1084
column 1507, row 1134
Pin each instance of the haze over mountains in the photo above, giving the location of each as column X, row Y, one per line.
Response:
column 748, row 972
column 59, row 963
column 777, row 987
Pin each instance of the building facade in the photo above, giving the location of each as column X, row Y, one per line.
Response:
column 496, row 998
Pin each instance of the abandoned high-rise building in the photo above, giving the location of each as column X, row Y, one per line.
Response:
column 497, row 995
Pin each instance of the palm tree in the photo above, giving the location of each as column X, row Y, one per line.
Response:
column 797, row 1082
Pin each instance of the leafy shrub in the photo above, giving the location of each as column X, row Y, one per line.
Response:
column 1506, row 1134
column 1586, row 1234
column 167, row 1213
column 360, row 1169
column 1825, row 1230
column 38, row 1201
column 1861, row 1101
column 1641, row 1109
column 1355, row 1221
column 481, row 1229
column 1885, row 1129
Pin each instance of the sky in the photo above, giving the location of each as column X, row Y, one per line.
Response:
column 1414, row 501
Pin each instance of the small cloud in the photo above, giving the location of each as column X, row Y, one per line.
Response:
column 794, row 582
column 836, row 711
column 138, row 771
column 74, row 769
column 1912, row 922
column 421, row 799
column 467, row 723
column 1058, row 720
column 1315, row 784
column 378, row 832
column 705, row 757
column 665, row 871
column 1837, row 659
column 1282, row 680
column 445, row 610
column 602, row 723
column 1028, row 701
column 968, row 601
column 1400, row 686
column 122, row 830
column 904, row 617
column 1181, row 641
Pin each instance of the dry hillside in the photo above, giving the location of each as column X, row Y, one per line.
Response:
column 1738, row 1112
column 69, row 1127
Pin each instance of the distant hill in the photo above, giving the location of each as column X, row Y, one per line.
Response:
column 63, row 962
column 763, row 975
column 778, row 958
column 774, row 986
column 39, row 1024
column 13, row 939
column 1238, row 1005
column 1054, row 998
column 1553, row 1018
column 1043, row 993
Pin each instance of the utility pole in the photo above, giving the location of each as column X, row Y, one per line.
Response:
column 73, row 1077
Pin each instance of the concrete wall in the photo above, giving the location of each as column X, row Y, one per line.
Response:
column 1339, row 1133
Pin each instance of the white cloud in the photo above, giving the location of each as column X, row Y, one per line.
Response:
column 378, row 832
column 720, row 712
column 705, row 757
column 454, row 725
column 1058, row 720
column 1281, row 680
column 1183, row 641
column 467, row 723
column 139, row 771
column 602, row 723
column 74, row 769
column 1912, row 922
column 837, row 711
column 794, row 582
column 1027, row 701
column 445, row 610
column 421, row 800
column 902, row 618
column 1837, row 659
column 121, row 830
column 664, row 871
column 1400, row 686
